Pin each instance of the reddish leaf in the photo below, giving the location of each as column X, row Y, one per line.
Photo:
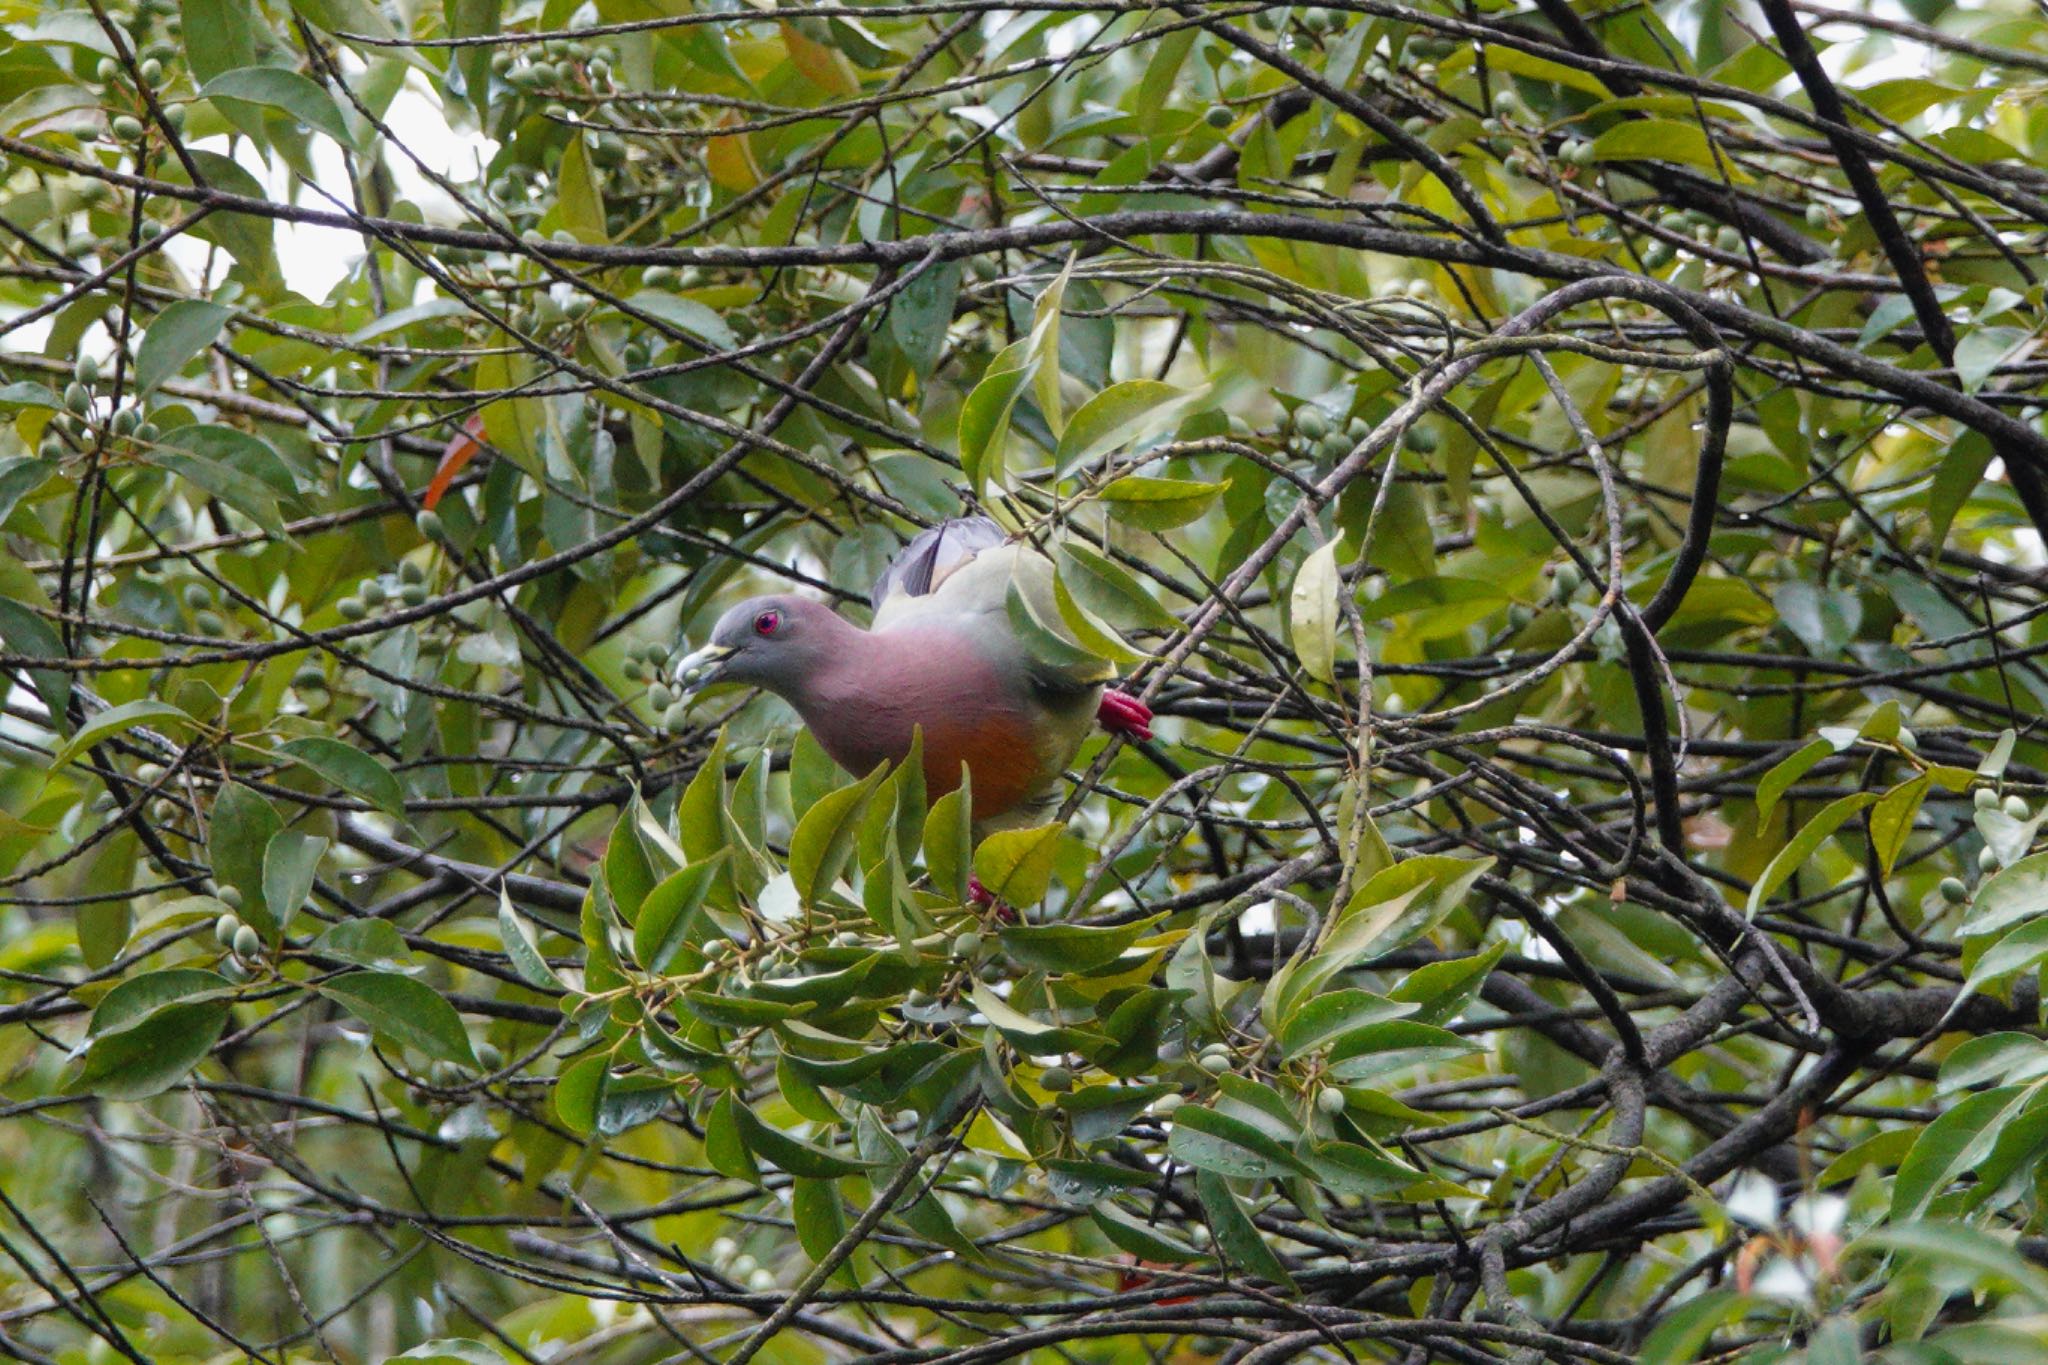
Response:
column 455, row 456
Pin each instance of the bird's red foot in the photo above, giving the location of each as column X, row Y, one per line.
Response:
column 1120, row 713
column 981, row 895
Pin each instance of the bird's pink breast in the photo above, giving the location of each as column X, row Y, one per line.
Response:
column 866, row 709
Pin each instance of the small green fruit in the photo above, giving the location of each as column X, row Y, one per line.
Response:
column 352, row 608
column 1421, row 440
column 127, row 127
column 1985, row 798
column 229, row 896
column 489, row 1058
column 1215, row 1063
column 430, row 525
column 108, row 71
column 77, row 397
column 1166, row 1104
column 967, row 945
column 413, row 594
column 197, row 597
column 210, row 623
column 1817, row 216
column 1057, row 1079
column 1310, row 422
column 225, row 929
column 248, row 943
column 1520, row 615
column 373, row 592
column 1219, row 116
column 2017, row 808
column 309, row 675
column 125, row 421
column 151, row 71
column 1987, row 861
column 1953, row 891
column 412, row 571
column 677, row 718
column 1330, row 1100
column 87, row 371
column 1729, row 239
column 1567, row 581
column 147, row 433
column 661, row 697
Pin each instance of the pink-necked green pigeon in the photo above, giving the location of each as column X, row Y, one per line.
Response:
column 942, row 655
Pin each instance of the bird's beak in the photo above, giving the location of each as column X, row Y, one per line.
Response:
column 699, row 668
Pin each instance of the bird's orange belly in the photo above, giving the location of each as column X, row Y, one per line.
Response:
column 963, row 721
column 1004, row 767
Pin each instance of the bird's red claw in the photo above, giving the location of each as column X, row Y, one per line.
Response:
column 981, row 895
column 1120, row 713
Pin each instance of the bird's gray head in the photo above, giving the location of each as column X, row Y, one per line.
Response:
column 777, row 642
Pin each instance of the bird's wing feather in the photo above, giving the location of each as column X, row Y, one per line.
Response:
column 932, row 556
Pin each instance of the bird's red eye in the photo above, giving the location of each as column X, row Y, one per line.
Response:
column 766, row 622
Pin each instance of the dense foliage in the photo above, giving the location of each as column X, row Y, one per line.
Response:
column 1570, row 479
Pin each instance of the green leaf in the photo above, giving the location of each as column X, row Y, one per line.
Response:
column 1774, row 784
column 220, row 35
column 27, row 633
column 579, row 199
column 1312, row 611
column 406, row 1011
column 1891, row 820
column 1989, row 1253
column 1236, row 1235
column 2022, row 950
column 291, row 860
column 1015, row 865
column 1032, row 1037
column 1072, row 947
column 1212, row 1141
column 825, row 834
column 237, row 489
column 669, row 914
column 1122, row 414
column 1948, row 1147
column 2009, row 895
column 1108, row 590
column 686, row 315
column 1330, row 1016
column 280, row 89
column 578, row 1092
column 949, row 841
column 788, row 1153
column 1655, row 139
column 238, row 831
column 154, row 1055
column 1794, row 854
column 139, row 998
column 1393, row 1045
column 985, row 415
column 1146, row 1242
column 1160, row 504
column 1045, row 638
column 819, row 1215
column 180, row 332
column 115, row 721
column 350, row 769
column 1681, row 1334
column 525, row 955
column 372, row 943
